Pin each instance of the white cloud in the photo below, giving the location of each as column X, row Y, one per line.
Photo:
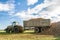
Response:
column 31, row 2
column 8, row 6
column 48, row 9
column 4, row 7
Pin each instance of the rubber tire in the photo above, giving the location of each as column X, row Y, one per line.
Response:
column 37, row 30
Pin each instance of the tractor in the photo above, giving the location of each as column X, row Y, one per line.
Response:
column 14, row 28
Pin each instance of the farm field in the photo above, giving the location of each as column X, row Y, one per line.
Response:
column 27, row 35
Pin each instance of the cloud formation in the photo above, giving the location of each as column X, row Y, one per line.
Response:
column 49, row 9
column 31, row 2
column 8, row 6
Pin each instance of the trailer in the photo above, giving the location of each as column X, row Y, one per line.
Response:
column 39, row 24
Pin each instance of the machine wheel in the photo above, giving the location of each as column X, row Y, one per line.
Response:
column 36, row 30
column 16, row 30
column 7, row 31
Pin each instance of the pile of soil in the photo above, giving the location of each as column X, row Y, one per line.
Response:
column 53, row 30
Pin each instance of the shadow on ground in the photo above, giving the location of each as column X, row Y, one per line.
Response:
column 57, row 37
column 4, row 33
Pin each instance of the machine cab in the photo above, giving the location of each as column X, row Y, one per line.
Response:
column 15, row 23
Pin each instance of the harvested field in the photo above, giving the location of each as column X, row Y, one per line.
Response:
column 27, row 35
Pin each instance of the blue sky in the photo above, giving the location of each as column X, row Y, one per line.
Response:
column 20, row 10
column 19, row 5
